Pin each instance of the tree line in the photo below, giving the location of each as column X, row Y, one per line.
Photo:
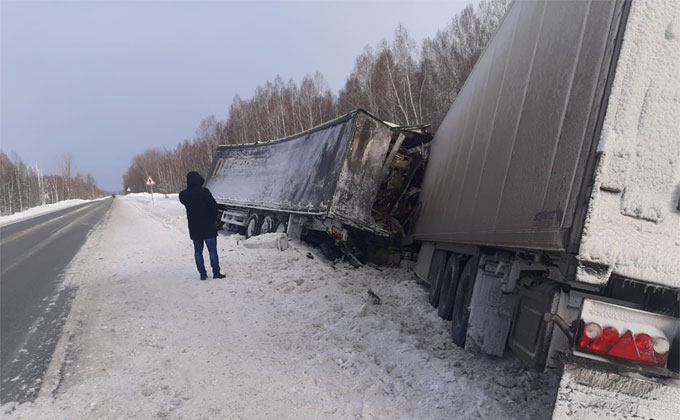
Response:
column 23, row 186
column 398, row 81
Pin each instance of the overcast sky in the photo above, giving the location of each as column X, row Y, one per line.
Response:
column 104, row 81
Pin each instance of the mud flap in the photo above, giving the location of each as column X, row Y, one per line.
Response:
column 531, row 336
column 424, row 260
column 490, row 316
column 294, row 228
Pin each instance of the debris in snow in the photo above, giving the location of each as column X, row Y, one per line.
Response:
column 270, row 240
column 373, row 266
column 376, row 298
column 352, row 259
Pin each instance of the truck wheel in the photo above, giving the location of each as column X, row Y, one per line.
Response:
column 218, row 222
column 281, row 227
column 449, row 286
column 461, row 305
column 435, row 275
column 252, row 225
column 267, row 225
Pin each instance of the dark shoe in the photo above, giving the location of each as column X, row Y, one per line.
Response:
column 204, row 277
column 219, row 276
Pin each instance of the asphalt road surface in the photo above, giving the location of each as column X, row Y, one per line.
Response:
column 33, row 304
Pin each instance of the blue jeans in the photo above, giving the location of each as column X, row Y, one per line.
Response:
column 212, row 250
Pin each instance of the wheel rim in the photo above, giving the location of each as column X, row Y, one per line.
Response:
column 251, row 227
column 266, row 225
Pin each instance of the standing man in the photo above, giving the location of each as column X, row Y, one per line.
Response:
column 202, row 216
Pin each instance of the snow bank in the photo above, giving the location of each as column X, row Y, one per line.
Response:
column 40, row 210
column 633, row 223
column 283, row 336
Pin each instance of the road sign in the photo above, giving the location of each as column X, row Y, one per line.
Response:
column 150, row 184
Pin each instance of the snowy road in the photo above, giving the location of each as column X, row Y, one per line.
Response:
column 284, row 336
column 33, row 306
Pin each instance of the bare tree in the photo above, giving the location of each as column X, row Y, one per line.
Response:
column 399, row 81
column 23, row 186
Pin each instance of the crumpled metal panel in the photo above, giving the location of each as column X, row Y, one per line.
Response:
column 361, row 174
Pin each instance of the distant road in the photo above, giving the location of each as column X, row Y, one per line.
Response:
column 33, row 306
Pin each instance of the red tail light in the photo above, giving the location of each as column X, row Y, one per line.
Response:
column 606, row 341
column 625, row 348
column 639, row 348
column 591, row 332
column 645, row 347
column 661, row 345
column 611, row 331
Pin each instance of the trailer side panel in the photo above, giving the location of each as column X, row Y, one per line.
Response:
column 507, row 162
column 297, row 174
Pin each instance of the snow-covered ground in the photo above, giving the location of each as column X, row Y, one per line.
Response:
column 283, row 336
column 40, row 210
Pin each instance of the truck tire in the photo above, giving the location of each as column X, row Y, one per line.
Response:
column 252, row 225
column 461, row 305
column 437, row 267
column 218, row 222
column 268, row 225
column 449, row 286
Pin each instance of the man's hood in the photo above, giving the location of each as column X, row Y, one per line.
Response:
column 194, row 179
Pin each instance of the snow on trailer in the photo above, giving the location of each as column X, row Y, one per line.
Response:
column 355, row 171
column 633, row 222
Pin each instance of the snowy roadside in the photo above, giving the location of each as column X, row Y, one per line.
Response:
column 40, row 210
column 284, row 336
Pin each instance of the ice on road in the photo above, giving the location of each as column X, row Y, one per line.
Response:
column 283, row 336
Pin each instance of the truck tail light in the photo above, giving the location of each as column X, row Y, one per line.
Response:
column 338, row 233
column 591, row 332
column 641, row 347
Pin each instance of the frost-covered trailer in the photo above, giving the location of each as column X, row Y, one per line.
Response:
column 550, row 221
column 354, row 173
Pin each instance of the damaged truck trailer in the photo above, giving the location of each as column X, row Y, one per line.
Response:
column 350, row 176
column 550, row 219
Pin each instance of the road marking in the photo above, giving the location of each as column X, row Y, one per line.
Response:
column 5, row 241
column 47, row 240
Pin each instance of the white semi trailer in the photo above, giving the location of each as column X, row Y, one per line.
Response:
column 352, row 176
column 550, row 220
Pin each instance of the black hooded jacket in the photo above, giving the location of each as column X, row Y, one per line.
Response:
column 201, row 208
